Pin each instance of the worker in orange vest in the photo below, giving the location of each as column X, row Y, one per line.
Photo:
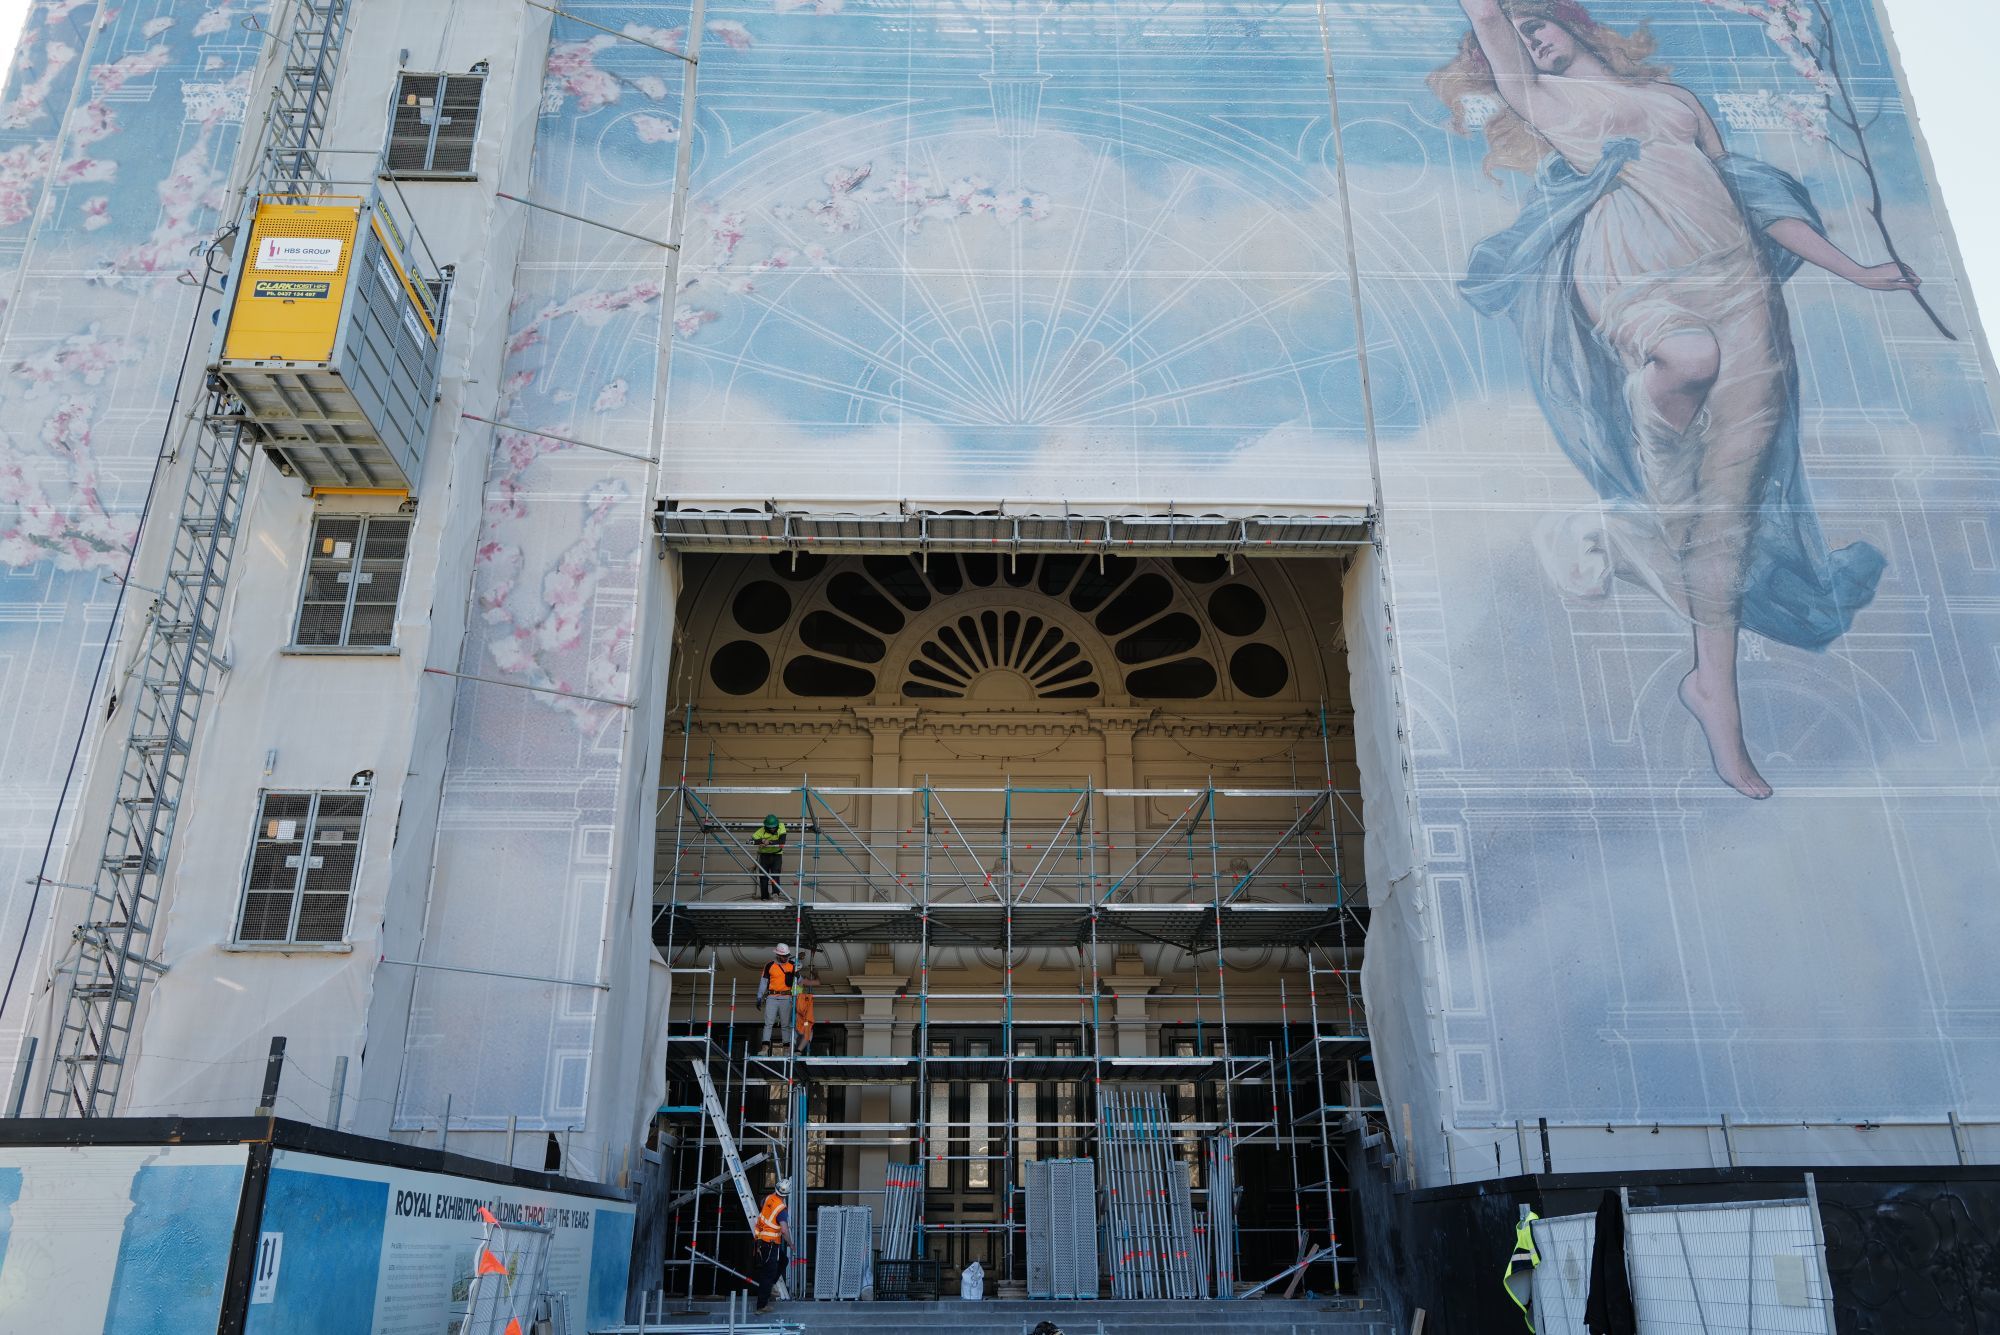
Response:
column 803, row 1004
column 774, row 995
column 773, row 1234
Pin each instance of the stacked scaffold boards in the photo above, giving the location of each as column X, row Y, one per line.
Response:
column 1062, row 1229
column 842, row 1234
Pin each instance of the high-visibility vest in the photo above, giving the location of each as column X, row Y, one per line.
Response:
column 769, row 841
column 804, row 1023
column 767, row 1228
column 778, row 976
column 1519, row 1280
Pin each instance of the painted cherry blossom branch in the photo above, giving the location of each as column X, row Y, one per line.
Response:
column 1814, row 53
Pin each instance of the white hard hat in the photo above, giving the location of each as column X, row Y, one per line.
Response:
column 784, row 949
column 784, row 1188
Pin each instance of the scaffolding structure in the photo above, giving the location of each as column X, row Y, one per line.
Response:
column 1011, row 869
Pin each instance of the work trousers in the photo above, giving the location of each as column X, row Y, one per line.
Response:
column 770, row 866
column 767, row 1267
column 778, row 1015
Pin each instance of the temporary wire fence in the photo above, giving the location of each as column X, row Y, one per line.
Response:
column 1748, row 1268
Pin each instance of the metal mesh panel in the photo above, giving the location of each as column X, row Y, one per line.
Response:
column 435, row 124
column 855, row 1250
column 458, row 124
column 1040, row 1224
column 327, row 880
column 282, row 824
column 410, row 125
column 1754, row 1268
column 302, row 866
column 378, row 582
column 829, row 1224
column 1562, row 1280
column 329, row 576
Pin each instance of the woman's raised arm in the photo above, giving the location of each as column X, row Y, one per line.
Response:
column 1513, row 73
column 1799, row 238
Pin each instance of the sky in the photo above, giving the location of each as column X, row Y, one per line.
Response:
column 1945, row 46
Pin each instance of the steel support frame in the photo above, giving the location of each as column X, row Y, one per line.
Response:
column 837, row 863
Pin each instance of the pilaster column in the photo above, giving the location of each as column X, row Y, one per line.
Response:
column 879, row 986
column 1117, row 727
column 1132, row 985
column 885, row 815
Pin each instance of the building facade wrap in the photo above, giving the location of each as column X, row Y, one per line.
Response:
column 118, row 145
column 1679, row 675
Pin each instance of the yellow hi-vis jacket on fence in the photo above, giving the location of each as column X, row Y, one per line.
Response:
column 1520, row 1277
column 768, row 1228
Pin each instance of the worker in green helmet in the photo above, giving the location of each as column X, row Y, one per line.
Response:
column 768, row 840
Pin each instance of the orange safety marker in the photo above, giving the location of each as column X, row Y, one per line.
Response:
column 513, row 1326
column 489, row 1264
column 487, row 1215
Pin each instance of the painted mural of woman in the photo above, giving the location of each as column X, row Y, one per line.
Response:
column 1645, row 276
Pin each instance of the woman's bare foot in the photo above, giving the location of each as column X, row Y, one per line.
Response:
column 1721, row 720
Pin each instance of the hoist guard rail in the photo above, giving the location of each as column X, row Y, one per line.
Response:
column 906, row 529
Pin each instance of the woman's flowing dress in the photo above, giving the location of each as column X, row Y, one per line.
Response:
column 1634, row 235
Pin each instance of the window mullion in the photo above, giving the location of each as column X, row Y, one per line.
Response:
column 305, row 856
column 437, row 118
column 353, row 587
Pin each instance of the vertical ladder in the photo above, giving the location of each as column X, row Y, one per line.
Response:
column 110, row 956
column 303, row 93
column 731, row 1159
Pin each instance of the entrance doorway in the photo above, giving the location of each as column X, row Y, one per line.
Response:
column 1051, row 820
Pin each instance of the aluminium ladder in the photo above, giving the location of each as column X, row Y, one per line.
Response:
column 731, row 1158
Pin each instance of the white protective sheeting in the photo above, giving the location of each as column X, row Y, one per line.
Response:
column 93, row 321
column 1395, row 971
column 1756, row 1267
column 533, row 1002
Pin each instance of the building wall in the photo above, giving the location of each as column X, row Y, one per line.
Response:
column 1098, row 254
column 275, row 719
column 118, row 137
column 1614, row 935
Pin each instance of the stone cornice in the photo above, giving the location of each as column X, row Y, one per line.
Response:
column 867, row 721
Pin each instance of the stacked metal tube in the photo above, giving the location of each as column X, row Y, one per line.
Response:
column 1221, row 1158
column 902, row 1199
column 1148, row 1199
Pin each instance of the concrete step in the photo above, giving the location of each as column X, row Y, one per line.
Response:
column 1257, row 1316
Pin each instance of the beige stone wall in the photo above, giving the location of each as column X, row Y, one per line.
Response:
column 1001, row 734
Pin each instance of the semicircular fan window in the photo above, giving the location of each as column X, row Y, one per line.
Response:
column 1000, row 654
